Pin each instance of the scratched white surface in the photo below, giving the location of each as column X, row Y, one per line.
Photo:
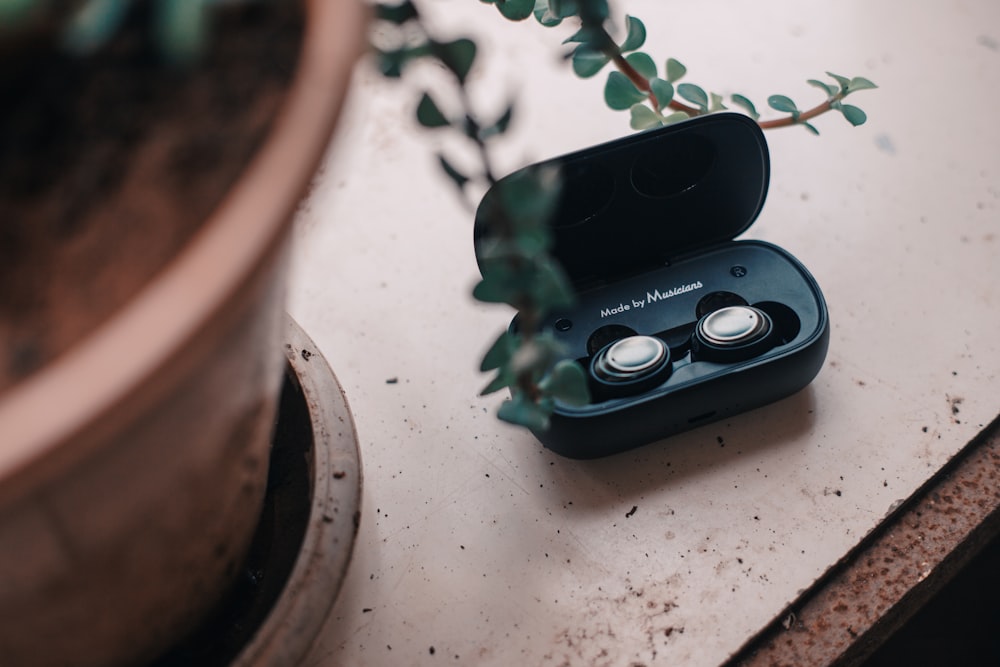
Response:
column 476, row 545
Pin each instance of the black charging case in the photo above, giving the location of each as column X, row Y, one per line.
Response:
column 644, row 228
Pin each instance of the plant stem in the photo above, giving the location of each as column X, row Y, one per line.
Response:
column 802, row 117
column 625, row 67
column 484, row 154
column 689, row 110
column 612, row 51
column 528, row 313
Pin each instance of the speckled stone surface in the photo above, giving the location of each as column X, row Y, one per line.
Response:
column 477, row 546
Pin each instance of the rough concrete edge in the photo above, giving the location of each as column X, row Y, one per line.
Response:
column 850, row 611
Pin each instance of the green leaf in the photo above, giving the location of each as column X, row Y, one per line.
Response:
column 492, row 289
column 853, row 114
column 391, row 63
column 457, row 55
column 454, row 174
column 528, row 196
column 643, row 118
column 528, row 242
column 545, row 16
column 782, row 103
column 643, row 64
column 563, row 8
column 636, row 36
column 693, row 94
column 675, row 70
column 842, row 80
column 181, row 28
column 501, row 124
column 593, row 12
column 663, row 91
column 859, row 83
column 620, row 93
column 516, row 10
column 716, row 103
column 587, row 61
column 12, row 12
column 743, row 102
column 89, row 28
column 500, row 352
column 825, row 87
column 676, row 117
column 567, row 383
column 491, row 249
column 584, row 35
column 428, row 113
column 500, row 381
column 533, row 240
column 549, row 286
column 398, row 14
column 522, row 412
column 810, row 127
column 470, row 127
column 535, row 356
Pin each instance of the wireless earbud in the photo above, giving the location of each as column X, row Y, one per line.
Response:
column 733, row 333
column 631, row 365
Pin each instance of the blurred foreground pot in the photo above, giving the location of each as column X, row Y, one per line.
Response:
column 132, row 468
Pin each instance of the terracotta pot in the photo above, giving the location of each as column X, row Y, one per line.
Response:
column 132, row 468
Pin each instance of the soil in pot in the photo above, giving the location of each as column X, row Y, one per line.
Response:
column 110, row 163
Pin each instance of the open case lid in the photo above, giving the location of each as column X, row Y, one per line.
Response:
column 636, row 203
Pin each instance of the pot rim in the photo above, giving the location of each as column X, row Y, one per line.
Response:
column 42, row 419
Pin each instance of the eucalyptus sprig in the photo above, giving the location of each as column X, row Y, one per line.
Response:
column 652, row 101
column 513, row 250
